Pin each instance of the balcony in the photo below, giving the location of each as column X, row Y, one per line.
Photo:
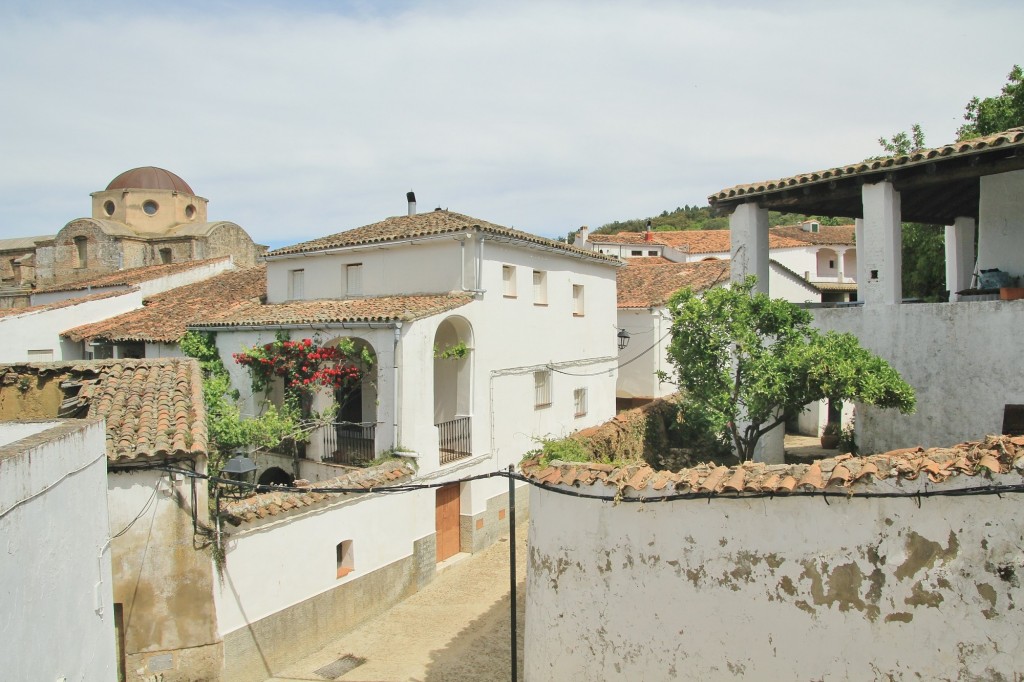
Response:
column 455, row 439
column 352, row 444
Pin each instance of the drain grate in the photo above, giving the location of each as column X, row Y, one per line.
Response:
column 333, row 671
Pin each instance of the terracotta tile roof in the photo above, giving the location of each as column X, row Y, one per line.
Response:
column 23, row 243
column 129, row 276
column 329, row 311
column 994, row 455
column 648, row 260
column 166, row 315
column 693, row 241
column 428, row 224
column 153, row 408
column 65, row 303
column 827, row 235
column 644, row 286
column 1006, row 139
column 276, row 503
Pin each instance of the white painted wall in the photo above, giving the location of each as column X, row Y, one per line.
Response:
column 963, row 359
column 40, row 330
column 1001, row 223
column 55, row 575
column 263, row 574
column 786, row 588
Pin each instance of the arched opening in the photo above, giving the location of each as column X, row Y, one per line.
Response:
column 453, row 387
column 81, row 253
column 275, row 476
column 828, row 263
column 351, row 439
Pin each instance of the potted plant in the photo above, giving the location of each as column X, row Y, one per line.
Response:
column 830, row 435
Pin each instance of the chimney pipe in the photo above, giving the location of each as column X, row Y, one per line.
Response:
column 411, row 198
column 647, row 234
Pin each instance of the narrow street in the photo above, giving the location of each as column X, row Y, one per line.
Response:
column 454, row 630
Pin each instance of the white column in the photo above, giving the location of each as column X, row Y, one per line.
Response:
column 881, row 252
column 748, row 228
column 840, row 254
column 959, row 256
column 858, row 238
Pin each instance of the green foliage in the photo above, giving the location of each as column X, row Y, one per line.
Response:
column 901, row 144
column 995, row 114
column 564, row 449
column 847, row 441
column 702, row 431
column 456, row 351
column 924, row 261
column 751, row 362
column 700, row 218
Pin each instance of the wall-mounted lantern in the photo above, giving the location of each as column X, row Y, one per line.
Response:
column 623, row 337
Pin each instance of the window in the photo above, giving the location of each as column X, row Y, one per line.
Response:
column 81, row 252
column 540, row 287
column 577, row 300
column 354, row 279
column 542, row 388
column 150, row 207
column 579, row 400
column 508, row 278
column 636, row 253
column 652, row 253
column 108, row 207
column 346, row 560
column 831, row 265
column 165, row 256
column 296, row 284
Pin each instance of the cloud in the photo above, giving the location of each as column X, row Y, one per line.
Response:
column 302, row 120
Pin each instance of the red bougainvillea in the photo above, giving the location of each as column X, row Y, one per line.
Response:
column 304, row 365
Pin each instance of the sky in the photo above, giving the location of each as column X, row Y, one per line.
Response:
column 305, row 118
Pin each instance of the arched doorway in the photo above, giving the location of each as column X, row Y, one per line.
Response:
column 453, row 388
column 275, row 476
column 351, row 439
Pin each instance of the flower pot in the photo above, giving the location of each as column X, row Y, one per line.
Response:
column 830, row 441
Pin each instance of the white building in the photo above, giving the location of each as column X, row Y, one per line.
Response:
column 963, row 357
column 534, row 324
column 58, row 614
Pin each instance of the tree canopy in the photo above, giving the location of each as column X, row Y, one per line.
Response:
column 747, row 363
column 994, row 114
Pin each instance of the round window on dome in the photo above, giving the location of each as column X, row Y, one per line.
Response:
column 150, row 207
column 190, row 211
column 108, row 207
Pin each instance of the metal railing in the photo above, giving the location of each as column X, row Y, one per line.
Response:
column 349, row 443
column 455, row 439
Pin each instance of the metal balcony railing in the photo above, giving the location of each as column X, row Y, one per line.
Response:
column 455, row 439
column 349, row 443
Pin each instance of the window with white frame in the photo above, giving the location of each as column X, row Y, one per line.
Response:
column 579, row 400
column 577, row 300
column 508, row 278
column 296, row 284
column 542, row 388
column 540, row 287
column 354, row 279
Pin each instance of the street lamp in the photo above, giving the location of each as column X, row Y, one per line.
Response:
column 623, row 337
column 240, row 470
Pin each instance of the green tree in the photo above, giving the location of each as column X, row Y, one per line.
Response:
column 901, row 144
column 749, row 363
column 994, row 114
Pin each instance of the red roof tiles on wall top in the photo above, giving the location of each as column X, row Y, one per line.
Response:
column 644, row 286
column 275, row 503
column 994, row 455
column 130, row 276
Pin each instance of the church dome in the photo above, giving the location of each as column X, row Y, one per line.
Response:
column 149, row 177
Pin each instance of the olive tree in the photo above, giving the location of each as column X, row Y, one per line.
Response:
column 748, row 363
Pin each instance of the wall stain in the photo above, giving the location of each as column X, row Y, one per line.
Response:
column 988, row 593
column 844, row 585
column 922, row 597
column 922, row 553
column 787, row 586
column 899, row 617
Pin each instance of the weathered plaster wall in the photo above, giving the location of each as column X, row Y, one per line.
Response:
column 1001, row 223
column 963, row 359
column 56, row 619
column 783, row 588
column 163, row 577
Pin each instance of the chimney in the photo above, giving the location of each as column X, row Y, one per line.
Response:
column 411, row 198
column 581, row 236
column 647, row 233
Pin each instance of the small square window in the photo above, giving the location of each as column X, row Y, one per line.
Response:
column 636, row 253
column 579, row 399
column 354, row 279
column 296, row 284
column 577, row 300
column 346, row 560
column 652, row 253
column 542, row 388
column 831, row 264
column 508, row 277
column 540, row 287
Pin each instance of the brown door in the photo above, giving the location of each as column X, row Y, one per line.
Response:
column 446, row 515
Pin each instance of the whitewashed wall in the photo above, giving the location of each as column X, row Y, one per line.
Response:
column 1001, row 223
column 775, row 589
column 55, row 578
column 40, row 330
column 639, row 361
column 264, row 573
column 963, row 359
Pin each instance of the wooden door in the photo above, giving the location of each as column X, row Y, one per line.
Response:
column 446, row 516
